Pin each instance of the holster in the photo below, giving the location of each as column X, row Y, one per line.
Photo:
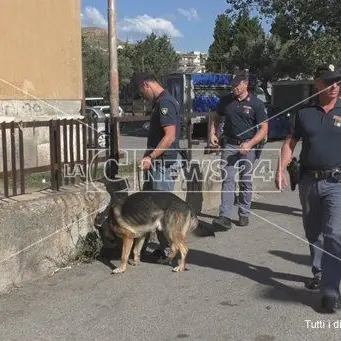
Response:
column 294, row 173
column 184, row 157
column 259, row 148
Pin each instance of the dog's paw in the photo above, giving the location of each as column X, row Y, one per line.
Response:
column 117, row 271
column 179, row 269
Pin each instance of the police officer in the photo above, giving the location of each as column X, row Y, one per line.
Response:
column 319, row 128
column 163, row 137
column 161, row 157
column 244, row 128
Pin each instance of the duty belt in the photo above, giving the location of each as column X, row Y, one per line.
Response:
column 232, row 140
column 321, row 174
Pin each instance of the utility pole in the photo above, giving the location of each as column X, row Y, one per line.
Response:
column 113, row 90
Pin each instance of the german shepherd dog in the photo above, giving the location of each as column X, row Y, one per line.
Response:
column 143, row 212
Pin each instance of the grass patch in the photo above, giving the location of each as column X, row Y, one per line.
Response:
column 88, row 248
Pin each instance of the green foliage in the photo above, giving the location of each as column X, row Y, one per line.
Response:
column 305, row 17
column 302, row 36
column 155, row 54
column 216, row 61
column 96, row 70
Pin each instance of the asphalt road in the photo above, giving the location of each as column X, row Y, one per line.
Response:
column 242, row 285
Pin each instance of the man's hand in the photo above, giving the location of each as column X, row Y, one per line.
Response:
column 146, row 162
column 214, row 141
column 281, row 181
column 245, row 147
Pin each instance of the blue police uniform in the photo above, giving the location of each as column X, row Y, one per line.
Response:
column 162, row 175
column 241, row 120
column 320, row 191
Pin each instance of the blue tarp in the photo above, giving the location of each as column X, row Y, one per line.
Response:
column 205, row 103
column 216, row 79
column 210, row 79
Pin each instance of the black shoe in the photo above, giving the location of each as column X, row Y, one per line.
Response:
column 222, row 223
column 243, row 221
column 157, row 256
column 331, row 304
column 313, row 283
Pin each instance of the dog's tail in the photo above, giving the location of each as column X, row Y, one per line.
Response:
column 190, row 224
column 156, row 221
column 194, row 222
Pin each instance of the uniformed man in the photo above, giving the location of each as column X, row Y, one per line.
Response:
column 163, row 137
column 319, row 128
column 161, row 157
column 244, row 128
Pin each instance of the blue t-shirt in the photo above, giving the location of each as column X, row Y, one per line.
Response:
column 165, row 112
column 321, row 136
column 241, row 117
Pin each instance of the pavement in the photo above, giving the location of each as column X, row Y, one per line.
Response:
column 245, row 284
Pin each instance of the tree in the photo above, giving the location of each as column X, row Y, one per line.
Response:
column 306, row 18
column 96, row 70
column 216, row 61
column 125, row 71
column 248, row 43
column 155, row 54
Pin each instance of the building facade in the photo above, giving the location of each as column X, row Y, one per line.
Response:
column 193, row 62
column 40, row 59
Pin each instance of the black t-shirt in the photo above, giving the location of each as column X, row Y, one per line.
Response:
column 166, row 111
column 321, row 137
column 241, row 116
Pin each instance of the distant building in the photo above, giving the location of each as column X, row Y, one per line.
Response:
column 41, row 59
column 193, row 62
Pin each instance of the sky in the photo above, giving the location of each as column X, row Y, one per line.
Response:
column 189, row 23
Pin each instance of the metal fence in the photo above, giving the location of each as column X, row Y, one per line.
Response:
column 70, row 153
column 67, row 142
column 73, row 151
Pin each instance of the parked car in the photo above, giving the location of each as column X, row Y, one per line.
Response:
column 106, row 110
column 93, row 114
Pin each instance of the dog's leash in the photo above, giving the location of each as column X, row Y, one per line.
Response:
column 140, row 174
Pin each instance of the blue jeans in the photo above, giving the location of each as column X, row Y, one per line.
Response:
column 231, row 161
column 160, row 178
column 321, row 204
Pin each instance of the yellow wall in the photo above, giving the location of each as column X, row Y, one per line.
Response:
column 40, row 49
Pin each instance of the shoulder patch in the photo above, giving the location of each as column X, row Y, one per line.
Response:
column 164, row 111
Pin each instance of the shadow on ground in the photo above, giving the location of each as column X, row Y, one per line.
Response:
column 292, row 257
column 294, row 211
column 275, row 291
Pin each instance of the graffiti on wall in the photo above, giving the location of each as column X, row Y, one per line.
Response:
column 20, row 108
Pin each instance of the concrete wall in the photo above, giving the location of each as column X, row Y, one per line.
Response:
column 40, row 232
column 38, row 110
column 40, row 59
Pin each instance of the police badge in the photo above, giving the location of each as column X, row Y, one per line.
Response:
column 337, row 121
column 247, row 109
column 164, row 111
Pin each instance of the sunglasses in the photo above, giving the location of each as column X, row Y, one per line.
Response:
column 329, row 82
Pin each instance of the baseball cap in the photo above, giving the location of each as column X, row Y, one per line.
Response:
column 239, row 77
column 327, row 73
